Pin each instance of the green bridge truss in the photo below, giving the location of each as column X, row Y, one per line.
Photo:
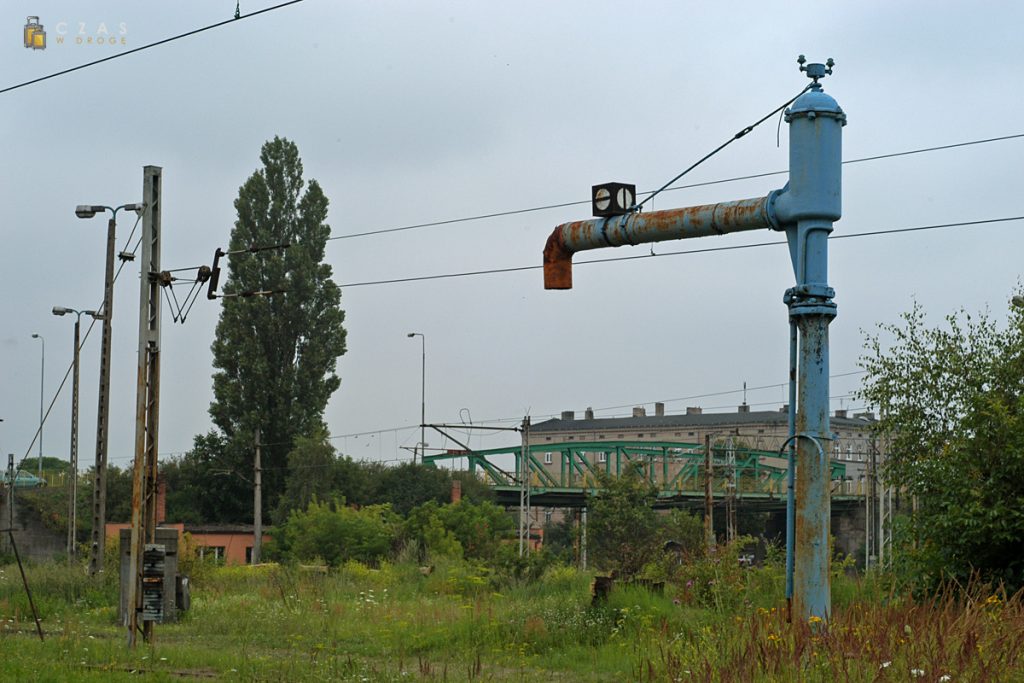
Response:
column 676, row 469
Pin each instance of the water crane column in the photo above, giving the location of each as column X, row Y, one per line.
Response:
column 804, row 209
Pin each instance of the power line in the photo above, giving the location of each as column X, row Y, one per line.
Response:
column 81, row 344
column 146, row 47
column 547, row 207
column 494, row 271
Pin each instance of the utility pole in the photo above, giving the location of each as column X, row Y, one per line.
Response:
column 709, row 500
column 73, row 483
column 99, row 488
column 730, row 496
column 147, row 405
column 257, row 506
column 42, row 379
column 524, row 490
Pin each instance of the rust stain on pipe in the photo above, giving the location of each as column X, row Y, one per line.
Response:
column 656, row 226
column 557, row 262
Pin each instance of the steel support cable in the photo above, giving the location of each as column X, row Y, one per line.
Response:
column 722, row 146
column 493, row 271
column 145, row 47
column 722, row 181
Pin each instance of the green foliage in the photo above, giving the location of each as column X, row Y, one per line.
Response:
column 336, row 533
column 425, row 529
column 622, row 533
column 465, row 529
column 312, row 474
column 204, row 486
column 409, row 485
column 952, row 419
column 275, row 356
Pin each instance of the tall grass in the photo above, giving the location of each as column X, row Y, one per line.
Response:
column 461, row 622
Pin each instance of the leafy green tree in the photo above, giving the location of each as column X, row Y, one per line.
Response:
column 206, row 486
column 952, row 425
column 312, row 474
column 479, row 527
column 424, row 527
column 623, row 528
column 336, row 533
column 409, row 485
column 275, row 356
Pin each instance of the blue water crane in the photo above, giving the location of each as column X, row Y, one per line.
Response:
column 805, row 210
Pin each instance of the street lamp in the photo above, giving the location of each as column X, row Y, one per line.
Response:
column 423, row 397
column 73, row 457
column 42, row 377
column 99, row 489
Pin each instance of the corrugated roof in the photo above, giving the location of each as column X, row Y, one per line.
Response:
column 657, row 422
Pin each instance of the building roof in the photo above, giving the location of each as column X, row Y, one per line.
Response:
column 691, row 420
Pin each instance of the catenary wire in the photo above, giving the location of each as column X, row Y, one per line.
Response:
column 145, row 47
column 754, row 176
column 67, row 373
column 611, row 259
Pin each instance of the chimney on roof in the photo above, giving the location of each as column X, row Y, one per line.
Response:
column 568, row 415
column 639, row 411
column 694, row 410
column 743, row 408
column 589, row 413
column 659, row 409
column 784, row 408
column 841, row 412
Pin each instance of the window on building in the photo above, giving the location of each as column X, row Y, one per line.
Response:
column 689, row 433
column 760, row 431
column 602, row 457
column 211, row 552
column 601, row 436
column 572, row 438
column 621, row 435
column 248, row 554
column 547, row 438
column 548, row 514
column 547, row 458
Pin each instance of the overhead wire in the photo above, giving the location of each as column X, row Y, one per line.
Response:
column 721, row 181
column 683, row 252
column 119, row 55
column 85, row 337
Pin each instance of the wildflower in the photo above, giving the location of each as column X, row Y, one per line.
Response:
column 814, row 620
column 917, row 673
column 885, row 665
column 945, row 678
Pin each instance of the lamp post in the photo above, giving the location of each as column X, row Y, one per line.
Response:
column 423, row 395
column 42, row 378
column 73, row 457
column 99, row 490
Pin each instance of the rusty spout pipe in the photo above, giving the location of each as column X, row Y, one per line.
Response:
column 656, row 226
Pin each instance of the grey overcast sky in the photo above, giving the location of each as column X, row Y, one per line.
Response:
column 409, row 112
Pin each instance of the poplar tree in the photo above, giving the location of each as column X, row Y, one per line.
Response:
column 275, row 356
